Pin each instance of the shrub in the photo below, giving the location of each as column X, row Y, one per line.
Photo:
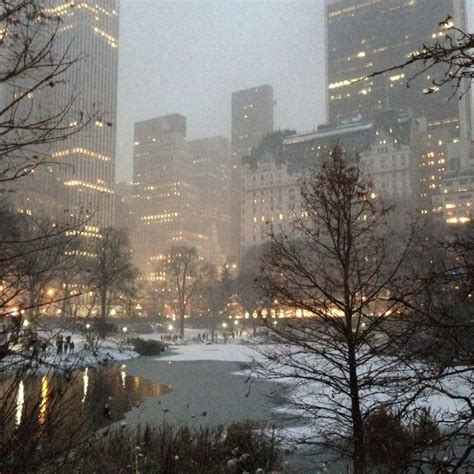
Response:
column 392, row 440
column 146, row 347
column 242, row 447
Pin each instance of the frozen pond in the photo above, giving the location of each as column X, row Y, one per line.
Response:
column 203, row 392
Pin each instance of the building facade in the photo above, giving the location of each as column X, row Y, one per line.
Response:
column 166, row 202
column 89, row 31
column 76, row 174
column 211, row 176
column 398, row 28
column 388, row 147
column 252, row 119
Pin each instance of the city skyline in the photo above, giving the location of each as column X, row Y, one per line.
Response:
column 299, row 85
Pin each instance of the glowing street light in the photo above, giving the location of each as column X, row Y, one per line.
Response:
column 26, row 323
column 113, row 312
column 125, row 329
column 88, row 326
column 236, row 322
column 50, row 291
column 224, row 325
column 170, row 327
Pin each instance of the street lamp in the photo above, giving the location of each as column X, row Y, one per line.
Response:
column 224, row 325
column 26, row 323
column 88, row 326
column 170, row 327
column 124, row 329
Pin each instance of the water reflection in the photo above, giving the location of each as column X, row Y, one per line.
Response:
column 93, row 397
column 44, row 400
column 20, row 402
column 123, row 374
column 85, row 381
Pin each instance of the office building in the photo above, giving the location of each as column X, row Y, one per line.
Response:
column 165, row 197
column 388, row 148
column 211, row 176
column 89, row 30
column 368, row 36
column 252, row 119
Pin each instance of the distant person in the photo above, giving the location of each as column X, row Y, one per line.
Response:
column 66, row 344
column 59, row 345
column 71, row 347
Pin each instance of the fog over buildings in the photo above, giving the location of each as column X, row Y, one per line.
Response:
column 202, row 86
column 188, row 58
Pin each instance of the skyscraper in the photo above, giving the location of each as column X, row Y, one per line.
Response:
column 211, row 175
column 89, row 31
column 252, row 119
column 363, row 37
column 165, row 198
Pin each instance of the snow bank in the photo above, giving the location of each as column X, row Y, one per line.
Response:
column 230, row 352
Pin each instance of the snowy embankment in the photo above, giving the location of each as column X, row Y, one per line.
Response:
column 304, row 394
column 230, row 352
column 49, row 359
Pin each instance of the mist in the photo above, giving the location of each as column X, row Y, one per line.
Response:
column 188, row 58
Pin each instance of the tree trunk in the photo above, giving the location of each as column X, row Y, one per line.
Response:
column 357, row 424
column 181, row 323
column 103, row 312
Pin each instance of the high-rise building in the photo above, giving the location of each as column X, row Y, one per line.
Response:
column 89, row 31
column 165, row 198
column 368, row 36
column 211, row 175
column 76, row 176
column 252, row 119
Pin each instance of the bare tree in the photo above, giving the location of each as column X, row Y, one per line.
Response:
column 338, row 266
column 451, row 55
column 216, row 290
column 251, row 296
column 184, row 272
column 33, row 252
column 35, row 430
column 109, row 267
column 443, row 352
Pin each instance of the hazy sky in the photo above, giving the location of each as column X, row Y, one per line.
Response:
column 189, row 56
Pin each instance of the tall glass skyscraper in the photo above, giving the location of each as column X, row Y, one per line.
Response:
column 89, row 31
column 366, row 36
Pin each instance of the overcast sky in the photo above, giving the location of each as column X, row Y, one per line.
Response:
column 189, row 56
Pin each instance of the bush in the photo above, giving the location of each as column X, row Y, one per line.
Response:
column 146, row 347
column 242, row 447
column 392, row 441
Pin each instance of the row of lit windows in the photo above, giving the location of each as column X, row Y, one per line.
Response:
column 165, row 215
column 110, row 39
column 345, row 82
column 81, row 151
column 95, row 187
column 58, row 10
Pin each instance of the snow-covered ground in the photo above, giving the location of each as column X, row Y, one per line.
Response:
column 107, row 353
column 230, row 352
column 307, row 393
